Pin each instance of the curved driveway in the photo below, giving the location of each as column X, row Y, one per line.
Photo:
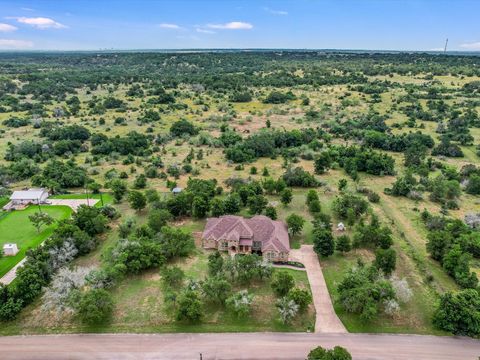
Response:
column 261, row 346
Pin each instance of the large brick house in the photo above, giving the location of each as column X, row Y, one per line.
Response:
column 239, row 235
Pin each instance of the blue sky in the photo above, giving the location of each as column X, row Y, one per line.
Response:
column 176, row 24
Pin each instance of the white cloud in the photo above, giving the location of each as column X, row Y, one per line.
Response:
column 169, row 26
column 27, row 9
column 275, row 12
column 205, row 31
column 234, row 25
column 15, row 44
column 471, row 46
column 7, row 27
column 437, row 49
column 40, row 22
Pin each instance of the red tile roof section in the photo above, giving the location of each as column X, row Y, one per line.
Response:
column 272, row 234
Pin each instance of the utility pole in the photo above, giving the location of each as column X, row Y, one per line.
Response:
column 446, row 43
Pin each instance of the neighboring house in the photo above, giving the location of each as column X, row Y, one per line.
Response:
column 238, row 235
column 21, row 198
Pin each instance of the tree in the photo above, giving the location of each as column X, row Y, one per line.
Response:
column 314, row 207
column 295, row 224
column 216, row 289
column 342, row 204
column 190, row 307
column 172, row 276
column 119, row 188
column 342, row 185
column 271, row 212
column 257, row 204
column 39, row 219
column 175, row 242
column 337, row 353
column 182, row 127
column 240, row 303
column 158, row 218
column 217, row 207
column 200, row 207
column 287, row 308
column 140, row 182
column 137, row 200
column 344, row 244
column 312, row 195
column 323, row 163
column 363, row 291
column 95, row 306
column 301, row 297
column 385, row 260
column 323, row 242
column 232, row 204
column 90, row 220
column 282, row 282
column 459, row 313
column 286, row 196
column 215, row 264
column 473, row 185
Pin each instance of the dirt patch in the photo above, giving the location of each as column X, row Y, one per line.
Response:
column 197, row 237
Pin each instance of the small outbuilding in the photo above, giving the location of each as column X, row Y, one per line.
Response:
column 176, row 190
column 341, row 227
column 10, row 249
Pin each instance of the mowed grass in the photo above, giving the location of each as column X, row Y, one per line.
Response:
column 414, row 316
column 140, row 308
column 15, row 227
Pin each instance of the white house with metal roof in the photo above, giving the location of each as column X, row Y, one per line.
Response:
column 25, row 197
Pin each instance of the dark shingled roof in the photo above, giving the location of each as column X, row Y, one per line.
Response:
column 272, row 234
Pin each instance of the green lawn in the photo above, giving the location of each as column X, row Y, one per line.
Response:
column 4, row 201
column 15, row 227
column 107, row 197
column 140, row 308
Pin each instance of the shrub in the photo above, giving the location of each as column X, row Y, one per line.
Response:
column 95, row 306
column 459, row 313
column 337, row 353
column 282, row 282
column 190, row 306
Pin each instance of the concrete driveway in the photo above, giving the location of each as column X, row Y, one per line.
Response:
column 274, row 346
column 73, row 203
column 327, row 320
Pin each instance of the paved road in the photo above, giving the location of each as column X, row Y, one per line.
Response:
column 261, row 346
column 326, row 319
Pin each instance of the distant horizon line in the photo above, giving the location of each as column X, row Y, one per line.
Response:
column 259, row 49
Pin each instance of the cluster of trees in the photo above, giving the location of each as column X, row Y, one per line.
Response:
column 444, row 188
column 355, row 159
column 266, row 143
column 189, row 298
column 364, row 291
column 453, row 244
column 133, row 143
column 69, row 240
